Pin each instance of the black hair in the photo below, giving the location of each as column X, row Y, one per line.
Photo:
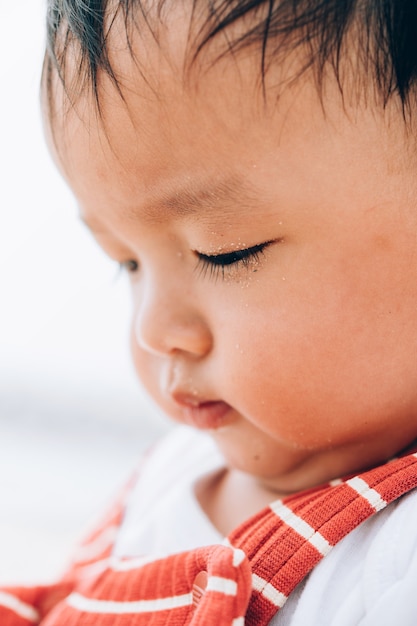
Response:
column 384, row 33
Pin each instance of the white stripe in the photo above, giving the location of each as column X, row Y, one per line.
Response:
column 97, row 546
column 320, row 543
column 268, row 591
column 121, row 565
column 335, row 482
column 301, row 527
column 238, row 557
column 126, row 565
column 224, row 585
column 92, row 570
column 364, row 490
column 415, row 455
column 238, row 554
column 238, row 621
column 20, row 608
column 89, row 605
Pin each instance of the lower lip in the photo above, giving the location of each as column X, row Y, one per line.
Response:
column 207, row 416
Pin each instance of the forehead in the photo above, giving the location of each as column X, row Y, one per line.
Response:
column 185, row 39
column 158, row 112
column 168, row 152
column 152, row 58
column 173, row 138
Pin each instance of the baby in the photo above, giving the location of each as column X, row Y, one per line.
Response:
column 252, row 167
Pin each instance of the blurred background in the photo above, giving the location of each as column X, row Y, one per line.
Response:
column 73, row 420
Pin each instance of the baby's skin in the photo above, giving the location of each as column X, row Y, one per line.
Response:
column 269, row 235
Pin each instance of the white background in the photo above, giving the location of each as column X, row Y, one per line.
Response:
column 73, row 420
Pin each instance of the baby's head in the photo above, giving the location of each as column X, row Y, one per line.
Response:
column 252, row 166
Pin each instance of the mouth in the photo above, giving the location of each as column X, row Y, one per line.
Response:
column 209, row 415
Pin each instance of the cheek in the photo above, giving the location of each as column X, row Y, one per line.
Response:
column 143, row 364
column 315, row 373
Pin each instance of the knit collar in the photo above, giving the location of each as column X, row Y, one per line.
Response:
column 247, row 579
column 285, row 541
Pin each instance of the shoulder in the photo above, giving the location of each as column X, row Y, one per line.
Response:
column 390, row 569
column 368, row 579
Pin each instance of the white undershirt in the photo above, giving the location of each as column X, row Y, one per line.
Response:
column 368, row 579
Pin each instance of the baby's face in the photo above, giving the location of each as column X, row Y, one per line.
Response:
column 273, row 264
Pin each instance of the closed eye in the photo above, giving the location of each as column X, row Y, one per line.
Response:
column 217, row 264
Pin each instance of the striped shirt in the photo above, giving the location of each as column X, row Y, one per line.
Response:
column 244, row 580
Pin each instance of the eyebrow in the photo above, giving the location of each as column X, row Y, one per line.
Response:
column 194, row 199
column 202, row 201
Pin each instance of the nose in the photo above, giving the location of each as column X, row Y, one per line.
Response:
column 168, row 321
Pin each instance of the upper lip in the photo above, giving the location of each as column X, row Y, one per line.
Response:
column 188, row 399
column 183, row 389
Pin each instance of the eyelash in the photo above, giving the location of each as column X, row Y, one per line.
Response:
column 216, row 265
